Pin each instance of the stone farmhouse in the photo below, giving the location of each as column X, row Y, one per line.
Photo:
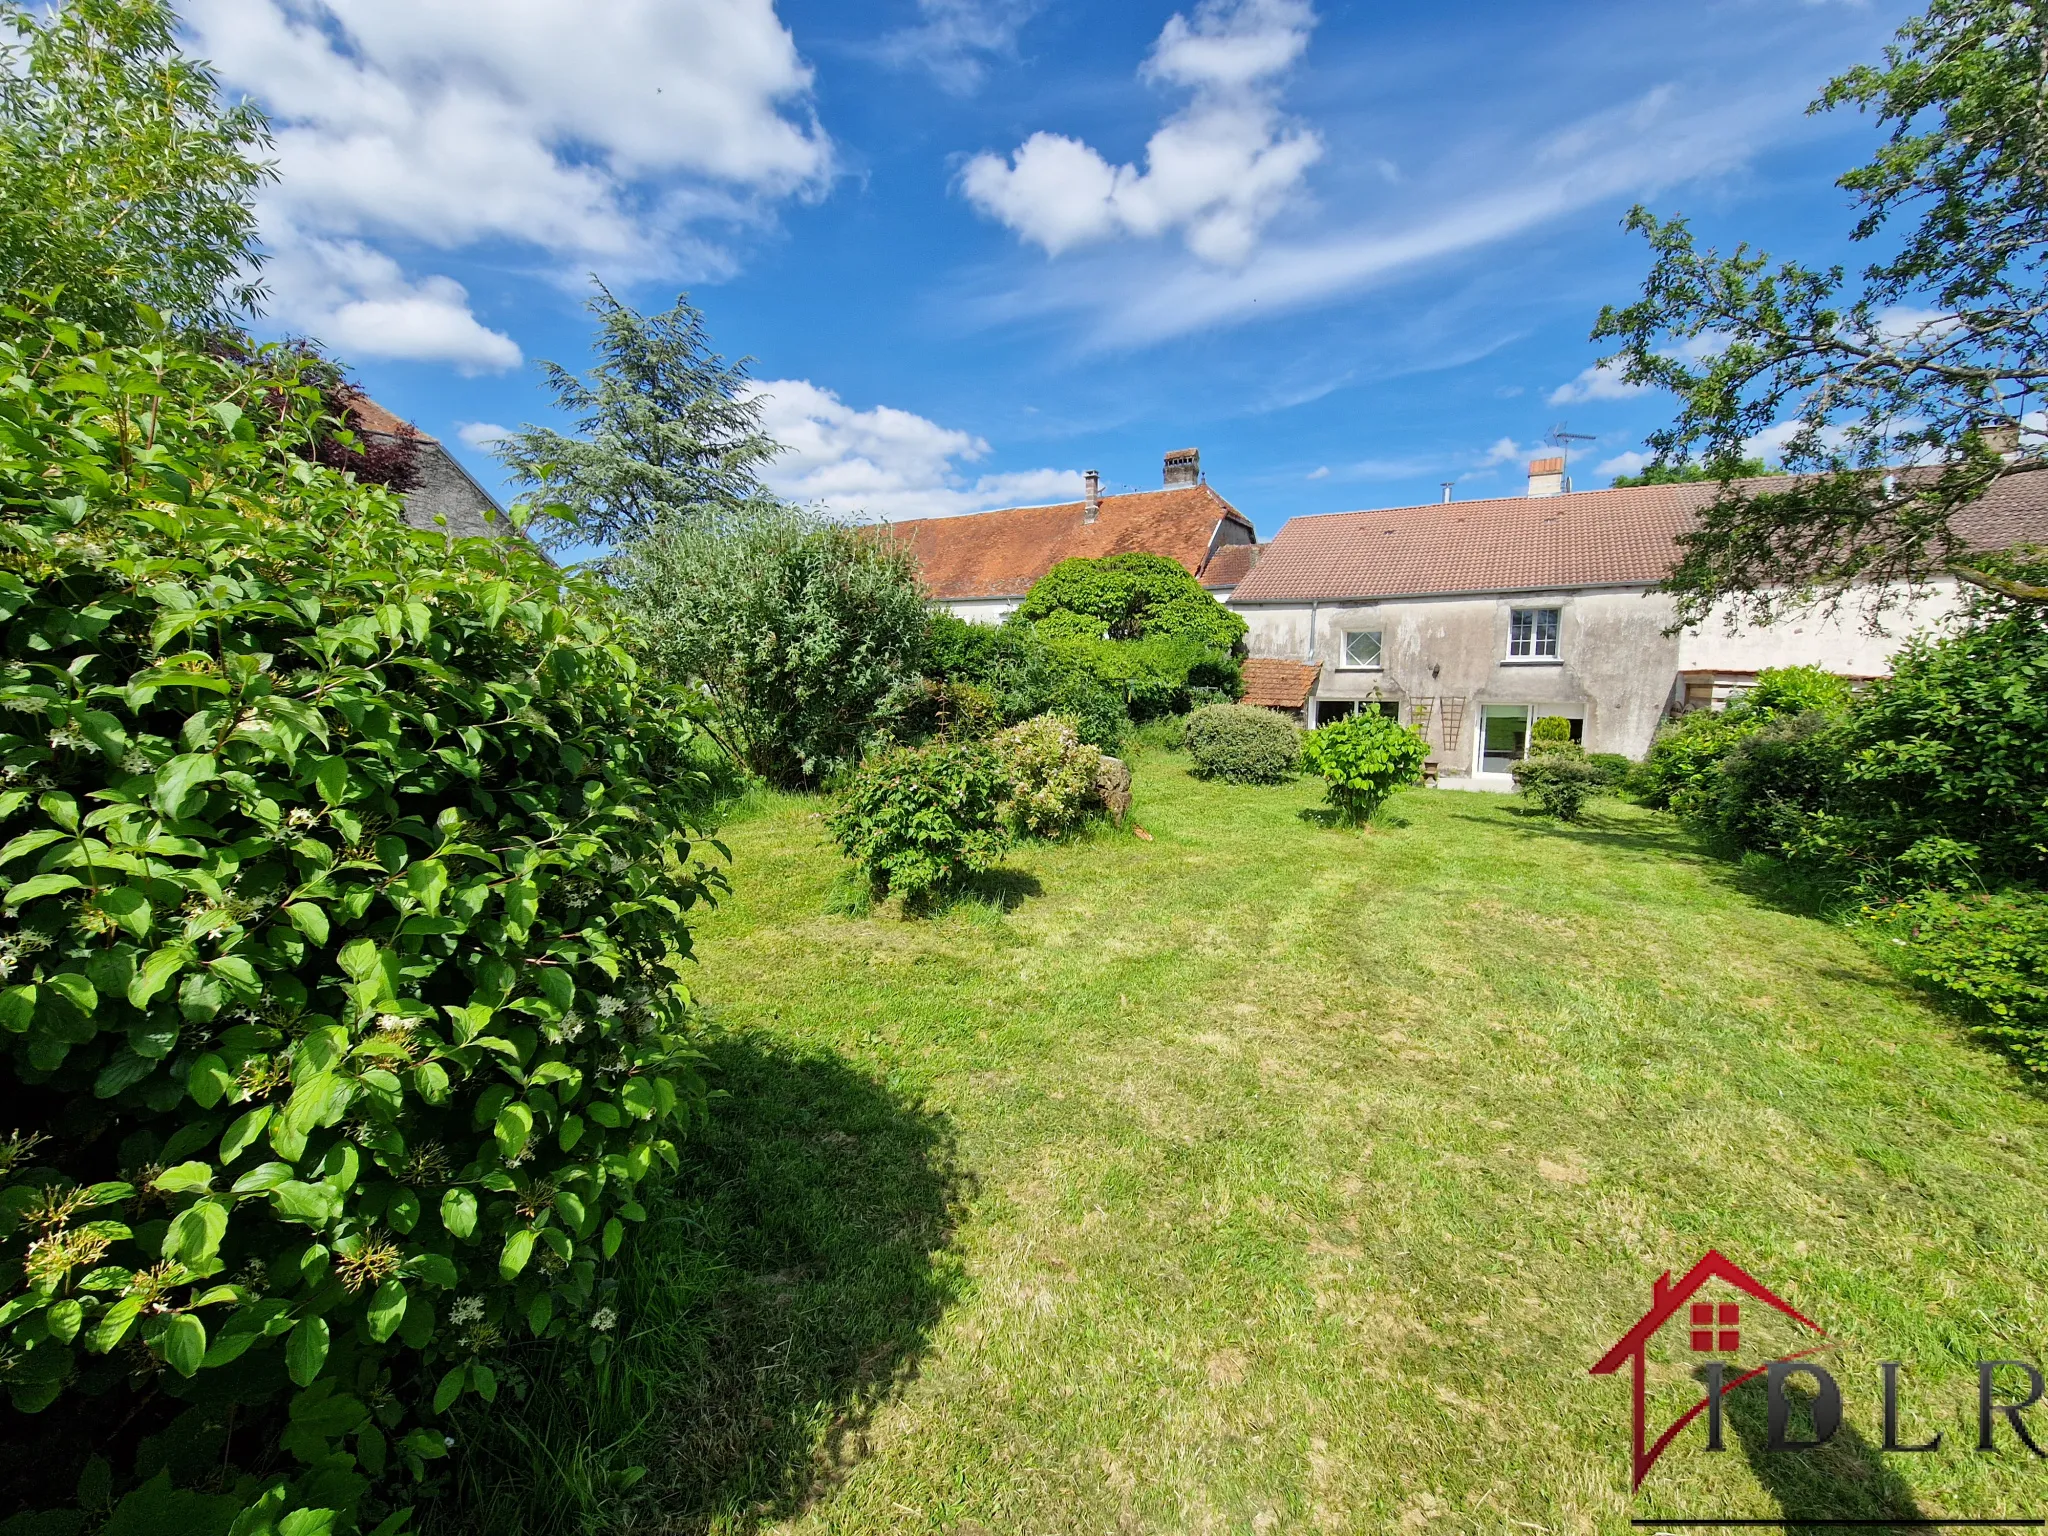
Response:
column 1468, row 620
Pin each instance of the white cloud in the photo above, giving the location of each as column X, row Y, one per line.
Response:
column 1630, row 462
column 356, row 299
column 956, row 38
column 482, row 435
column 616, row 133
column 885, row 462
column 1505, row 450
column 1602, row 381
column 1320, row 472
column 1218, row 171
column 1629, row 151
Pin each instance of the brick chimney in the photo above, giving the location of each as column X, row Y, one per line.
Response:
column 1091, row 496
column 1546, row 477
column 1183, row 467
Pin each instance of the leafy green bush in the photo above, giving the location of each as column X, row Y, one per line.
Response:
column 1129, row 597
column 1989, row 951
column 1363, row 760
column 1023, row 675
column 1242, row 744
column 1052, row 775
column 1686, row 753
column 345, row 899
column 800, row 632
column 1155, row 676
column 1550, row 731
column 1559, row 779
column 919, row 820
column 1616, row 770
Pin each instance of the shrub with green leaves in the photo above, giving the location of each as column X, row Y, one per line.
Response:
column 1559, row 778
column 1363, row 761
column 1242, row 744
column 1052, row 774
column 1132, row 596
column 917, row 821
column 1550, row 731
column 1990, row 953
column 345, row 894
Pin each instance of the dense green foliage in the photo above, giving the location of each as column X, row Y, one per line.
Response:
column 1559, row 778
column 669, row 432
column 346, row 891
column 1023, row 676
column 1158, row 675
column 1931, row 358
column 917, row 821
column 1363, row 760
column 1550, row 731
column 1242, row 744
column 1687, row 752
column 1052, row 775
column 800, row 633
column 1128, row 597
column 123, row 180
column 1694, row 474
column 1991, row 952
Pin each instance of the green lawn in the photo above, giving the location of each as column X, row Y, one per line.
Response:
column 1268, row 1177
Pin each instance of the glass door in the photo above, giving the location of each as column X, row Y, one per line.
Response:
column 1504, row 736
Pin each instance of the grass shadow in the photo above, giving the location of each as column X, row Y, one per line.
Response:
column 779, row 1294
column 1003, row 888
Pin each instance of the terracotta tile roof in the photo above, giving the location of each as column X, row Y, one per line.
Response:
column 1622, row 537
column 1274, row 684
column 366, row 415
column 1230, row 565
column 1000, row 554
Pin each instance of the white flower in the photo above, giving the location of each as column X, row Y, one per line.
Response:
column 467, row 1309
column 609, row 1007
column 604, row 1320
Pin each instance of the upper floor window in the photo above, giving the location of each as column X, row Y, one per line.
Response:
column 1532, row 634
column 1362, row 648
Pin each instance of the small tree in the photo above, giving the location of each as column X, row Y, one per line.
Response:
column 123, row 179
column 1128, row 597
column 669, row 432
column 798, row 632
column 1936, row 358
column 1363, row 761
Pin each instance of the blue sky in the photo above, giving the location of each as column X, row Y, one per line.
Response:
column 977, row 246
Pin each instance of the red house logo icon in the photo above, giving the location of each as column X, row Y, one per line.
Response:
column 1712, row 1328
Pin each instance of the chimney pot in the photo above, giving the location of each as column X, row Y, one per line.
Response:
column 1091, row 503
column 1184, row 467
column 1546, row 477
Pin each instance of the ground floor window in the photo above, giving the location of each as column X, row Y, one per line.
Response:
column 1328, row 710
column 1504, row 732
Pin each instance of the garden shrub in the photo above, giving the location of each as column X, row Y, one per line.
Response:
column 1550, row 731
column 1156, row 676
column 1686, row 752
column 1363, row 760
column 1023, row 675
column 1559, row 779
column 1616, row 770
column 1988, row 951
column 1242, row 744
column 1132, row 596
column 345, row 919
column 917, row 821
column 1052, row 775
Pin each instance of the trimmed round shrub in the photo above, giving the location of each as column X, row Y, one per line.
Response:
column 1364, row 760
column 1243, row 744
column 917, row 821
column 1550, row 731
column 345, row 894
column 1052, row 775
column 1559, row 779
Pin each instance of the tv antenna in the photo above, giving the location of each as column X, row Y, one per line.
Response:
column 1564, row 441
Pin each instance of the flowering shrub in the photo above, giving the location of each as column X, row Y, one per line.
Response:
column 918, row 820
column 1242, row 744
column 1363, row 760
column 1052, row 774
column 344, row 905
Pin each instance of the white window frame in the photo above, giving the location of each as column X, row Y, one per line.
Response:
column 1536, row 638
column 1379, row 652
